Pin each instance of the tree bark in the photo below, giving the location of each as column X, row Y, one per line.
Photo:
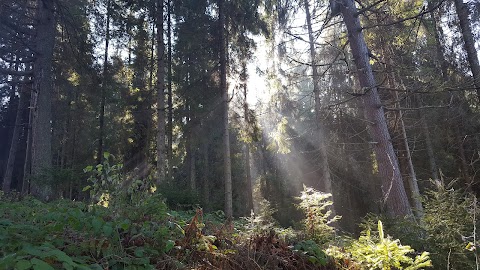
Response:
column 227, row 166
column 43, row 87
column 160, row 95
column 394, row 195
column 101, row 118
column 469, row 42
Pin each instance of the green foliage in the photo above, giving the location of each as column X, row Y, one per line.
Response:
column 262, row 221
column 409, row 230
column 280, row 141
column 446, row 230
column 105, row 180
column 179, row 198
column 312, row 250
column 71, row 235
column 381, row 252
column 318, row 214
column 449, row 222
column 57, row 179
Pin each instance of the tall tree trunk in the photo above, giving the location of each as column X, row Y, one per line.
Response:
column 67, row 130
column 27, row 166
column 428, row 142
column 43, row 87
column 248, row 173
column 227, row 166
column 206, row 169
column 73, row 140
column 326, row 181
column 412, row 181
column 438, row 46
column 397, row 82
column 192, row 170
column 160, row 95
column 394, row 195
column 7, row 177
column 461, row 153
column 103, row 89
column 190, row 146
column 170, row 93
column 469, row 42
column 443, row 65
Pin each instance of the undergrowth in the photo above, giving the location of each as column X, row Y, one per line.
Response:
column 146, row 234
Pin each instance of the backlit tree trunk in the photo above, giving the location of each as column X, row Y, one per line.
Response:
column 248, row 173
column 101, row 118
column 394, row 195
column 227, row 166
column 160, row 95
column 326, row 181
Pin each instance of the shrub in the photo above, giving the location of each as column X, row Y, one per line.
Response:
column 450, row 217
column 318, row 215
column 385, row 253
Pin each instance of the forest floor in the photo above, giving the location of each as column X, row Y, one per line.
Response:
column 73, row 235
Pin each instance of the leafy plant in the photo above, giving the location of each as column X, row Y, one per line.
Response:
column 318, row 214
column 71, row 235
column 310, row 249
column 105, row 180
column 385, row 253
column 263, row 221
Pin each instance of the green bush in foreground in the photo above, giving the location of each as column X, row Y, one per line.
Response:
column 72, row 235
column 385, row 253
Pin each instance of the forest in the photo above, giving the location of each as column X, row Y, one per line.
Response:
column 239, row 134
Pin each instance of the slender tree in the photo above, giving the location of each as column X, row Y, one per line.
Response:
column 227, row 166
column 170, row 91
column 248, row 173
column 325, row 178
column 103, row 95
column 160, row 95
